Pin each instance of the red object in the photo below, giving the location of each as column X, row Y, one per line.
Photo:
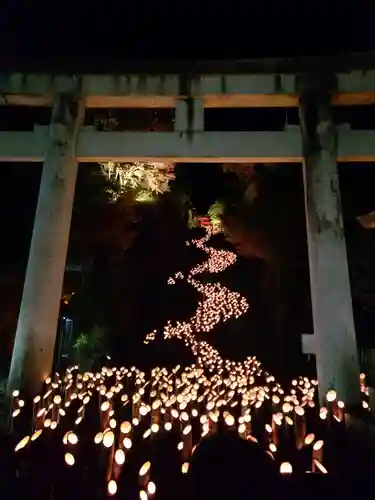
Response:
column 204, row 221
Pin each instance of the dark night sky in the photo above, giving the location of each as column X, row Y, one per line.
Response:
column 80, row 34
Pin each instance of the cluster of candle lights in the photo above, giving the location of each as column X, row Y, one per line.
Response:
column 133, row 407
column 218, row 304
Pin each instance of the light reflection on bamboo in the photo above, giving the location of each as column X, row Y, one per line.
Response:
column 192, row 400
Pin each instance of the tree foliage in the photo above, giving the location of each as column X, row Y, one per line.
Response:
column 129, row 249
column 144, row 180
column 215, row 212
column 89, row 347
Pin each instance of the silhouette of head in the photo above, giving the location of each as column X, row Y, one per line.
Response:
column 226, row 466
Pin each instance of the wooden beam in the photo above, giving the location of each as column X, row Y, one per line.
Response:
column 199, row 147
column 353, row 99
column 93, row 146
column 210, row 101
column 160, row 91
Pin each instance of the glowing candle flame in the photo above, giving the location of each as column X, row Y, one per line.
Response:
column 185, row 468
column 112, row 487
column 151, row 488
column 229, row 420
column 154, row 428
column 286, row 468
column 331, row 396
column 126, row 427
column 273, row 447
column 318, row 445
column 120, row 457
column 108, row 439
column 69, row 459
column 98, row 438
column 143, row 495
column 36, row 434
column 145, row 468
column 105, row 406
column 309, row 439
column 24, row 441
column 127, row 443
column 320, row 467
column 72, row 438
column 186, row 430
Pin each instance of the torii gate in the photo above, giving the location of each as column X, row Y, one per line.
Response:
column 318, row 144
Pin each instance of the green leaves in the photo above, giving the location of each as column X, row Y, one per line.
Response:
column 215, row 212
column 192, row 220
column 89, row 346
column 145, row 180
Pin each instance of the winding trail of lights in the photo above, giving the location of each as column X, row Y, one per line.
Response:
column 130, row 407
column 218, row 304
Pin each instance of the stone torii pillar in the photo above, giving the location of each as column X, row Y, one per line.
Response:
column 37, row 322
column 334, row 339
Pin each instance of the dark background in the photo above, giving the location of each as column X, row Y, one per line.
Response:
column 83, row 35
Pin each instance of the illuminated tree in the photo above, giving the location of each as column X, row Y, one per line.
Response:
column 111, row 239
column 215, row 212
column 89, row 347
column 144, row 180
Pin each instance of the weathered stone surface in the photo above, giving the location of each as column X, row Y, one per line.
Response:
column 38, row 317
column 334, row 333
